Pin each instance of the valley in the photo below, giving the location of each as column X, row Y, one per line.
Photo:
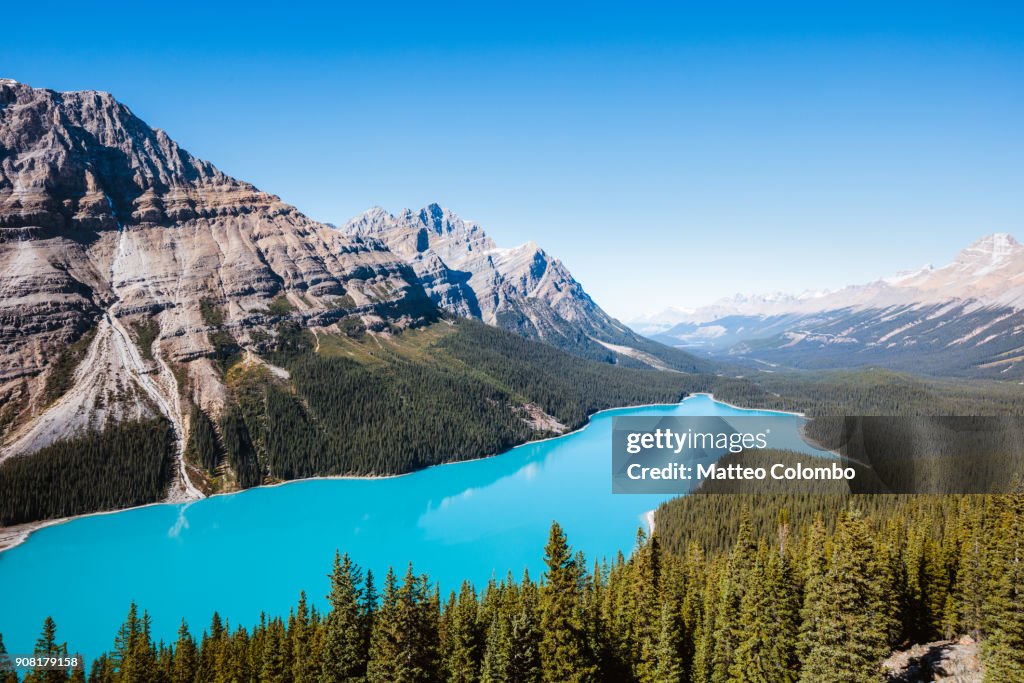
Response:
column 205, row 394
column 142, row 288
column 965, row 319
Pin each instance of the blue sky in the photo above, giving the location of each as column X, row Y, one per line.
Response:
column 669, row 153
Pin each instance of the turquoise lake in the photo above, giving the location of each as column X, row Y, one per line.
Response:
column 248, row 552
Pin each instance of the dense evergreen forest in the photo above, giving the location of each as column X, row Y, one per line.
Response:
column 774, row 588
column 366, row 406
column 121, row 465
column 866, row 392
column 458, row 389
column 351, row 402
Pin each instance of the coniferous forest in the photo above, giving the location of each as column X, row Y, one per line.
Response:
column 118, row 466
column 813, row 589
column 389, row 404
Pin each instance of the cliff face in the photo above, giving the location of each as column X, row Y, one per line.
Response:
column 106, row 223
column 134, row 278
column 522, row 289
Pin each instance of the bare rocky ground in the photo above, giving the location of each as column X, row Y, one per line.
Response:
column 949, row 661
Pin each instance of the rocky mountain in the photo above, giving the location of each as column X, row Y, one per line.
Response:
column 522, row 289
column 114, row 238
column 964, row 318
column 167, row 331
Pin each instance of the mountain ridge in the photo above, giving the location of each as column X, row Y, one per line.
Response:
column 163, row 324
column 985, row 263
column 963, row 318
column 106, row 224
column 522, row 289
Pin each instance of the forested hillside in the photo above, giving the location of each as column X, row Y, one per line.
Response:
column 868, row 392
column 454, row 391
column 357, row 403
column 348, row 402
column 121, row 465
column 774, row 588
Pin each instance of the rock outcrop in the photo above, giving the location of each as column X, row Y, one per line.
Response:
column 945, row 661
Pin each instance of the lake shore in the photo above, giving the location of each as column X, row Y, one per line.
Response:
column 15, row 535
column 455, row 523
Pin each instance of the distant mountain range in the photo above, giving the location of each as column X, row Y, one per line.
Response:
column 965, row 318
column 522, row 289
column 133, row 276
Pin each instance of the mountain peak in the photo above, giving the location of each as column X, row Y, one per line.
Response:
column 375, row 213
column 990, row 249
column 74, row 159
column 106, row 222
column 433, row 217
column 997, row 240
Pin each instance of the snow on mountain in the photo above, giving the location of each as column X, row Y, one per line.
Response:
column 966, row 317
column 522, row 289
column 988, row 272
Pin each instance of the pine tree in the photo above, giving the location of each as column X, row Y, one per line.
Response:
column 563, row 645
column 752, row 663
column 670, row 665
column 1003, row 652
column 462, row 648
column 300, row 644
column 404, row 644
column 386, row 637
column 7, row 672
column 618, row 622
column 202, row 448
column 369, row 611
column 495, row 666
column 210, row 651
column 127, row 636
column 135, row 654
column 850, row 638
column 784, row 605
column 47, row 646
column 523, row 642
column 232, row 664
column 767, row 621
column 102, row 670
column 703, row 642
column 692, row 605
column 728, row 629
column 645, row 627
column 815, row 570
column 419, row 612
column 186, row 657
column 594, row 620
column 970, row 591
column 345, row 645
column 275, row 667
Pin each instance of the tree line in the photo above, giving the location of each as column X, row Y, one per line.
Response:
column 820, row 595
column 120, row 465
column 396, row 413
column 388, row 412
